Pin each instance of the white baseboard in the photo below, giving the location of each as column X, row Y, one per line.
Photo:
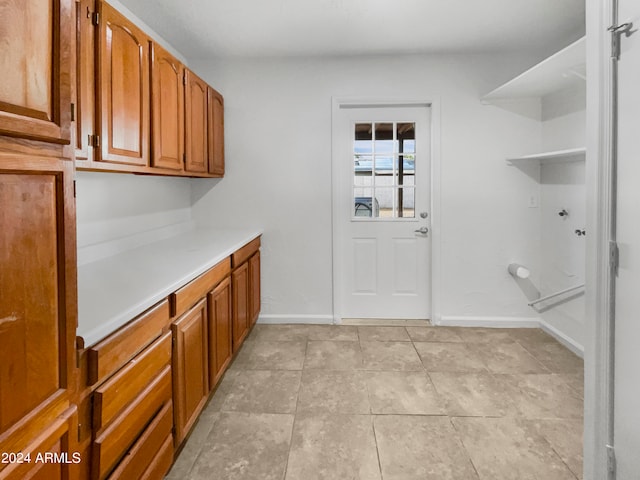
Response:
column 303, row 319
column 489, row 322
column 571, row 344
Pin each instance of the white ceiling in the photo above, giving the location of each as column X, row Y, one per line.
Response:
column 250, row 28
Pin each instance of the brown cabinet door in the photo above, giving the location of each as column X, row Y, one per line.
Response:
column 190, row 367
column 167, row 94
column 38, row 296
column 216, row 133
column 84, row 91
column 35, row 58
column 196, row 143
column 254, row 292
column 220, row 342
column 123, row 90
column 240, row 291
column 52, row 455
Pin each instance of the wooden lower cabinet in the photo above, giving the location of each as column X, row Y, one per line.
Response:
column 254, row 290
column 220, row 327
column 190, row 368
column 240, row 290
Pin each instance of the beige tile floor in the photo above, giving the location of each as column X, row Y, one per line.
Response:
column 303, row 402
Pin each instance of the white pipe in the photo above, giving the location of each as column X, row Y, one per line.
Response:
column 553, row 295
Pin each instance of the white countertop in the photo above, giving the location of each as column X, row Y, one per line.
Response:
column 114, row 290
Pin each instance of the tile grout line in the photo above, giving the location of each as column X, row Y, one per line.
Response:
column 375, row 439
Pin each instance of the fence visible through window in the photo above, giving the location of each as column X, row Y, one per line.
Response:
column 384, row 163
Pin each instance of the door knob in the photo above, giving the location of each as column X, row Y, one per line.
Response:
column 422, row 230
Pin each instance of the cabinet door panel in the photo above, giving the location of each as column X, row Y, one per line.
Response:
column 216, row 133
column 124, row 90
column 190, row 368
column 240, row 291
column 254, row 295
column 35, row 276
column 196, row 124
column 34, row 61
column 52, row 453
column 168, row 110
column 220, row 341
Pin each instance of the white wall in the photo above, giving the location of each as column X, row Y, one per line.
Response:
column 119, row 211
column 278, row 151
column 562, row 186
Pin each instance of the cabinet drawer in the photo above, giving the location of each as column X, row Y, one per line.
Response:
column 161, row 463
column 139, row 459
column 242, row 255
column 187, row 296
column 121, row 389
column 109, row 355
column 111, row 445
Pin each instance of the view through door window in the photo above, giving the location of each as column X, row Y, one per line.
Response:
column 384, row 155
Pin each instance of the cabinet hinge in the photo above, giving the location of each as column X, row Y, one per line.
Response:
column 94, row 141
column 95, row 18
column 184, row 78
column 74, row 189
column 611, row 461
column 614, row 257
column 73, row 112
column 616, row 36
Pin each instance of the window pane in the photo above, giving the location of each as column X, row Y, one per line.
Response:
column 405, row 166
column 363, row 138
column 406, row 135
column 406, row 202
column 384, row 170
column 385, row 200
column 384, row 138
column 362, row 165
column 363, row 205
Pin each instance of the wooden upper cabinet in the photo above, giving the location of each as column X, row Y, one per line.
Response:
column 123, row 90
column 35, row 101
column 216, row 133
column 84, row 91
column 167, row 94
column 196, row 113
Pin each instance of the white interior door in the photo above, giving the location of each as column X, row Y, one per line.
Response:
column 627, row 303
column 382, row 163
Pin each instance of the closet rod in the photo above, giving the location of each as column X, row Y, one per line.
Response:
column 553, row 295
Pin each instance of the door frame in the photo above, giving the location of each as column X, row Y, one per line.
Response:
column 601, row 184
column 336, row 179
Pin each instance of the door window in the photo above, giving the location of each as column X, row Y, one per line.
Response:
column 384, row 162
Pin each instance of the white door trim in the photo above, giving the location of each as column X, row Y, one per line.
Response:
column 598, row 395
column 434, row 104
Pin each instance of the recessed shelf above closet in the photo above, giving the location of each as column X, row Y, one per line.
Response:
column 561, row 70
column 558, row 156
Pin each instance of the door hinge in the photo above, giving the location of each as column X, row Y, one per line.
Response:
column 73, row 112
column 95, row 18
column 614, row 257
column 74, row 189
column 611, row 461
column 616, row 36
column 94, row 141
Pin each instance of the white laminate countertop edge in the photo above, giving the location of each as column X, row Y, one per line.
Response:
column 114, row 290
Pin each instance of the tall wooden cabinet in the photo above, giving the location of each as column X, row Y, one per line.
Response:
column 37, row 237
